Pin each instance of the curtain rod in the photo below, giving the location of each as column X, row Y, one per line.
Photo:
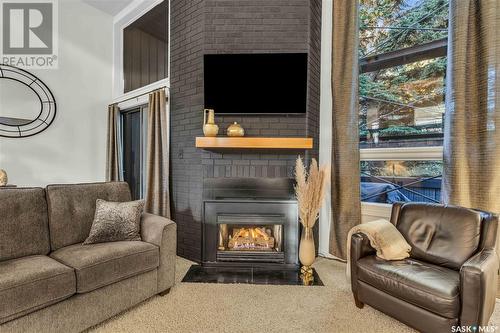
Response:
column 137, row 96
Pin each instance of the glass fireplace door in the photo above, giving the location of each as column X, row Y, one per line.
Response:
column 250, row 237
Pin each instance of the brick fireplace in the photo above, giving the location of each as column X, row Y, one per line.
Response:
column 201, row 27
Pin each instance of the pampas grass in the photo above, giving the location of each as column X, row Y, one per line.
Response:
column 310, row 190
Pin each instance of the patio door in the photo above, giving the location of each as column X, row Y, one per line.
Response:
column 134, row 127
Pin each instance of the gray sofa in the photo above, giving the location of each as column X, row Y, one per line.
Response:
column 50, row 282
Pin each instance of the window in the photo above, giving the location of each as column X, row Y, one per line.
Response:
column 392, row 181
column 141, row 49
column 145, row 49
column 134, row 128
column 401, row 98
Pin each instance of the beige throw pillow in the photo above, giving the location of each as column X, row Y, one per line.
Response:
column 116, row 221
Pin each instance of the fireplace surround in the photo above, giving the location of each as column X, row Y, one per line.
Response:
column 203, row 27
column 250, row 222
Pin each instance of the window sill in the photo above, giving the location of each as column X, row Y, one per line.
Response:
column 402, row 154
column 373, row 209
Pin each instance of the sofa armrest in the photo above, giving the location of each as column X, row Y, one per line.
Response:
column 478, row 284
column 162, row 232
column 360, row 247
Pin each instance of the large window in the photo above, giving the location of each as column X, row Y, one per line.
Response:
column 401, row 98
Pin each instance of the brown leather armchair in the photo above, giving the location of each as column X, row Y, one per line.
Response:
column 450, row 278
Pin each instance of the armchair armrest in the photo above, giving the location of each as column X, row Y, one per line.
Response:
column 360, row 247
column 478, row 284
column 162, row 232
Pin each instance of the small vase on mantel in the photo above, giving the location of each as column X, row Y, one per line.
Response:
column 235, row 129
column 209, row 126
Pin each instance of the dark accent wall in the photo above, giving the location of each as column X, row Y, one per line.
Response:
column 244, row 26
column 186, row 56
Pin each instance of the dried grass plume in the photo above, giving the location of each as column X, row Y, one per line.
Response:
column 310, row 190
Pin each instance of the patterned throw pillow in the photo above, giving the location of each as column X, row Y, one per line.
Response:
column 116, row 221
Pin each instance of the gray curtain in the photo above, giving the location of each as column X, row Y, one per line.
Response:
column 113, row 160
column 157, row 156
column 471, row 175
column 346, row 205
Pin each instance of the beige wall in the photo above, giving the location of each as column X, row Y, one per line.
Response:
column 72, row 149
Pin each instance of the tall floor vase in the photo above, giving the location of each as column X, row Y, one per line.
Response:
column 307, row 254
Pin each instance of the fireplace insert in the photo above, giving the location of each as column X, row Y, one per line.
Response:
column 234, row 237
column 250, row 222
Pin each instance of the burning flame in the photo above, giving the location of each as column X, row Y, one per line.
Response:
column 251, row 238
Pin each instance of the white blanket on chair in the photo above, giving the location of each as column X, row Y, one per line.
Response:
column 384, row 238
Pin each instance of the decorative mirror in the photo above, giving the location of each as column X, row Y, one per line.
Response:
column 27, row 106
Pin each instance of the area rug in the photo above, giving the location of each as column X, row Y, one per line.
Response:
column 203, row 307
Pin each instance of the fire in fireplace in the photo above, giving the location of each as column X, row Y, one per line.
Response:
column 250, row 238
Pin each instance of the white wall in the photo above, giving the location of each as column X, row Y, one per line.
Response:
column 369, row 212
column 73, row 148
column 325, row 114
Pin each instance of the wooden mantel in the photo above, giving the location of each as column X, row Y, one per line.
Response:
column 253, row 143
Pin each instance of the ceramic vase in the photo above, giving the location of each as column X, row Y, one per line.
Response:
column 235, row 129
column 307, row 252
column 209, row 126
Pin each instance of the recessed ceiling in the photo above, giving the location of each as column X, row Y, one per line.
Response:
column 112, row 7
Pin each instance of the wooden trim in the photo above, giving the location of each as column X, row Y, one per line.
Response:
column 434, row 49
column 254, row 143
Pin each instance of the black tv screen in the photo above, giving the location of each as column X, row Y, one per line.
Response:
column 256, row 83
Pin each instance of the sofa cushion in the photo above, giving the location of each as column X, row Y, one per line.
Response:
column 71, row 209
column 98, row 265
column 24, row 228
column 444, row 236
column 428, row 286
column 31, row 283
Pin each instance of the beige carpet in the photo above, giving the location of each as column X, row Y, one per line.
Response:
column 199, row 307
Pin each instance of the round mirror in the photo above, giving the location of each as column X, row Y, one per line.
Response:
column 19, row 104
column 27, row 106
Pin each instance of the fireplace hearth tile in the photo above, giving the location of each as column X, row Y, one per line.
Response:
column 201, row 274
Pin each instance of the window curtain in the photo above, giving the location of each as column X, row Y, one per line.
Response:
column 345, row 178
column 157, row 156
column 113, row 154
column 471, row 172
column 471, row 175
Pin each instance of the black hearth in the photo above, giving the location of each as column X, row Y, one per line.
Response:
column 250, row 222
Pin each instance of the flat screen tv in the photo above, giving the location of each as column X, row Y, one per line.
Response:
column 256, row 83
